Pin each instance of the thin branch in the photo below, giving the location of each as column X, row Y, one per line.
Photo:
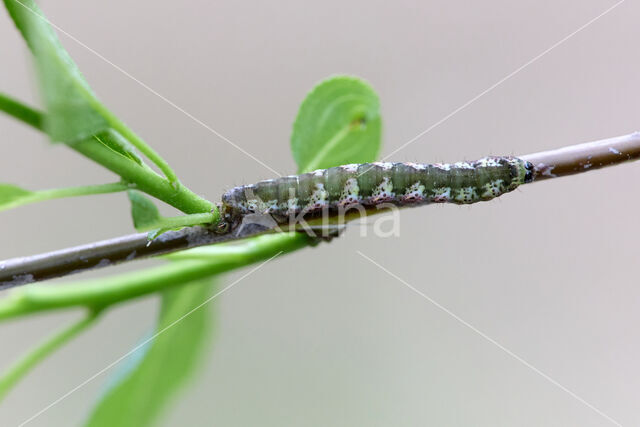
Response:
column 585, row 157
column 103, row 292
column 19, row 271
column 59, row 193
column 23, row 366
column 23, row 270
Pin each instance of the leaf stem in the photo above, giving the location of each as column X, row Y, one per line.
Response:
column 144, row 178
column 58, row 193
column 185, row 220
column 136, row 141
column 20, row 111
column 23, row 366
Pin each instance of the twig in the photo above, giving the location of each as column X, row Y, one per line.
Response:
column 581, row 158
column 103, row 292
column 19, row 271
column 29, row 269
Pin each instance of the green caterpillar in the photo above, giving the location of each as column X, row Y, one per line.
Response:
column 372, row 184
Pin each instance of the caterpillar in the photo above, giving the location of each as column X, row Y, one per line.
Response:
column 372, row 184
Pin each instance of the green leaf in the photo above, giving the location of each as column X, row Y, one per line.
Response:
column 70, row 103
column 11, row 194
column 170, row 359
column 115, row 142
column 147, row 217
column 338, row 122
column 144, row 212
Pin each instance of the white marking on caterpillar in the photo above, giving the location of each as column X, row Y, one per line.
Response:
column 353, row 167
column 292, row 205
column 414, row 194
column 254, row 205
column 466, row 194
column 383, row 192
column 493, row 189
column 350, row 193
column 383, row 165
column 443, row 166
column 488, row 162
column 318, row 198
column 416, row 166
column 614, row 151
column 271, row 206
column 441, row 194
column 463, row 165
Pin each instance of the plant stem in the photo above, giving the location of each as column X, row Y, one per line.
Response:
column 580, row 158
column 20, row 111
column 186, row 220
column 23, row 366
column 137, row 142
column 144, row 179
column 58, row 193
column 23, row 270
column 103, row 292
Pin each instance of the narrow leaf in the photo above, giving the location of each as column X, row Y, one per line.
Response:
column 171, row 356
column 338, row 122
column 115, row 142
column 12, row 194
column 143, row 211
column 70, row 103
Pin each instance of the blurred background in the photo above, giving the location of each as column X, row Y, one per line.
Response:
column 322, row 336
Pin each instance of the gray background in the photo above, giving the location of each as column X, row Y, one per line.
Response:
column 323, row 337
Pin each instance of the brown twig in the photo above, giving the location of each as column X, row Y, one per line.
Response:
column 557, row 163
column 29, row 269
column 585, row 157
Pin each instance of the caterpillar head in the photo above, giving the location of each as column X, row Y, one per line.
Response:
column 228, row 219
column 529, row 172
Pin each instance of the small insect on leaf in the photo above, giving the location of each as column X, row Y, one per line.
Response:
column 10, row 194
column 338, row 123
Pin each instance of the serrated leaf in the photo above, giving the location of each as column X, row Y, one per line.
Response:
column 144, row 212
column 143, row 391
column 338, row 122
column 10, row 194
column 71, row 115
